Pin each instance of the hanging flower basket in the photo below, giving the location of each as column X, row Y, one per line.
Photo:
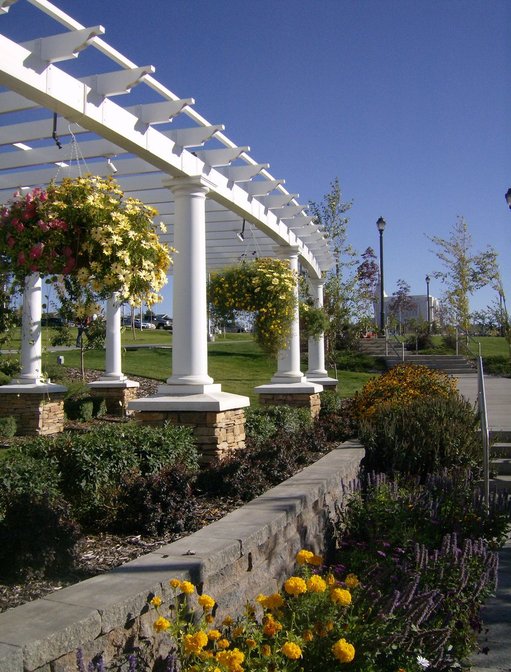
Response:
column 87, row 228
column 265, row 287
column 313, row 320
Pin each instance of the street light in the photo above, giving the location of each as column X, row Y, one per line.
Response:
column 508, row 197
column 380, row 225
column 429, row 303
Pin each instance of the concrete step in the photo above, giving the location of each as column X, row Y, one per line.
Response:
column 500, row 449
column 452, row 364
column 501, row 465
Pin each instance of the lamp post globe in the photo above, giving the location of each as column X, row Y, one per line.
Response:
column 380, row 225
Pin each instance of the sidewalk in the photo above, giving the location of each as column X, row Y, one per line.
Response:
column 496, row 635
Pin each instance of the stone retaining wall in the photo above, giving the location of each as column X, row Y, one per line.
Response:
column 251, row 550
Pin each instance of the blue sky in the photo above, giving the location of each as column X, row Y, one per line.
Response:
column 407, row 102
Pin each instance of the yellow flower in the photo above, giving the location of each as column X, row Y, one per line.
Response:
column 343, row 651
column 291, row 651
column 295, row 585
column 330, row 579
column 231, row 659
column 223, row 643
column 156, row 601
column 351, row 581
column 227, row 621
column 271, row 626
column 237, row 632
column 274, row 601
column 214, row 635
column 308, row 636
column 195, row 643
column 340, row 596
column 206, row 602
column 303, row 556
column 187, row 587
column 161, row 624
column 316, row 584
column 316, row 560
column 266, row 650
column 251, row 643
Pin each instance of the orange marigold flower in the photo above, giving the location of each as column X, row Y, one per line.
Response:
column 308, row 636
column 351, row 581
column 295, row 585
column 161, row 624
column 266, row 650
column 251, row 643
column 303, row 556
column 206, row 602
column 271, row 626
column 291, row 651
column 214, row 634
column 340, row 596
column 315, row 584
column 187, row 587
column 316, row 560
column 156, row 601
column 343, row 651
column 175, row 583
column 223, row 643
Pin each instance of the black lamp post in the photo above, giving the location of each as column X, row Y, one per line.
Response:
column 508, row 197
column 380, row 225
column 429, row 302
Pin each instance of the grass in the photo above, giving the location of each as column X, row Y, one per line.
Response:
column 234, row 360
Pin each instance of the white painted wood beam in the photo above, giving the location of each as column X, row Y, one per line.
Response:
column 63, row 46
column 160, row 113
column 119, row 82
column 193, row 137
column 262, row 187
column 221, row 157
column 277, row 200
column 243, row 173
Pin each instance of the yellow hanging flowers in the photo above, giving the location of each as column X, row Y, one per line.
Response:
column 266, row 287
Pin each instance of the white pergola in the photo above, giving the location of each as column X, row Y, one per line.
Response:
column 56, row 121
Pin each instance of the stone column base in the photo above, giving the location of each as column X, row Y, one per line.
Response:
column 117, row 395
column 217, row 418
column 310, row 401
column 217, row 433
column 327, row 382
column 38, row 409
column 299, row 395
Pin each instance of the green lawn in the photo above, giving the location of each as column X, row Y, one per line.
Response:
column 234, row 360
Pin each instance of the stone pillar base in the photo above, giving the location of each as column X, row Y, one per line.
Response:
column 327, row 382
column 299, row 395
column 117, row 395
column 217, row 419
column 217, row 434
column 38, row 409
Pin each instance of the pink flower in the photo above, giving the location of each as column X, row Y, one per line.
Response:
column 67, row 251
column 21, row 259
column 43, row 226
column 70, row 264
column 37, row 250
column 11, row 241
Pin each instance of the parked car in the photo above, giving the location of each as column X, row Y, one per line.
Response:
column 163, row 321
column 126, row 322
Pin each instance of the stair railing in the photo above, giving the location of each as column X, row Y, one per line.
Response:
column 485, row 432
column 471, row 345
column 393, row 343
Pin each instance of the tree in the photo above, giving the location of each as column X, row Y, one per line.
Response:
column 330, row 215
column 401, row 303
column 464, row 272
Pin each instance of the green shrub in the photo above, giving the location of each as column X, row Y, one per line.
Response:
column 27, row 471
column 497, row 365
column 426, row 435
column 8, row 426
column 37, row 537
column 264, row 423
column 263, row 464
column 9, row 366
column 156, row 504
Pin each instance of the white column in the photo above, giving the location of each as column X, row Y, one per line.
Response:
column 288, row 367
column 316, row 345
column 113, row 348
column 190, row 318
column 31, row 338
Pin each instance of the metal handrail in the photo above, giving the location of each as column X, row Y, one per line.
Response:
column 398, row 350
column 485, row 432
column 469, row 339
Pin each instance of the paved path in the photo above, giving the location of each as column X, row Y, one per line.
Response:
column 496, row 635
